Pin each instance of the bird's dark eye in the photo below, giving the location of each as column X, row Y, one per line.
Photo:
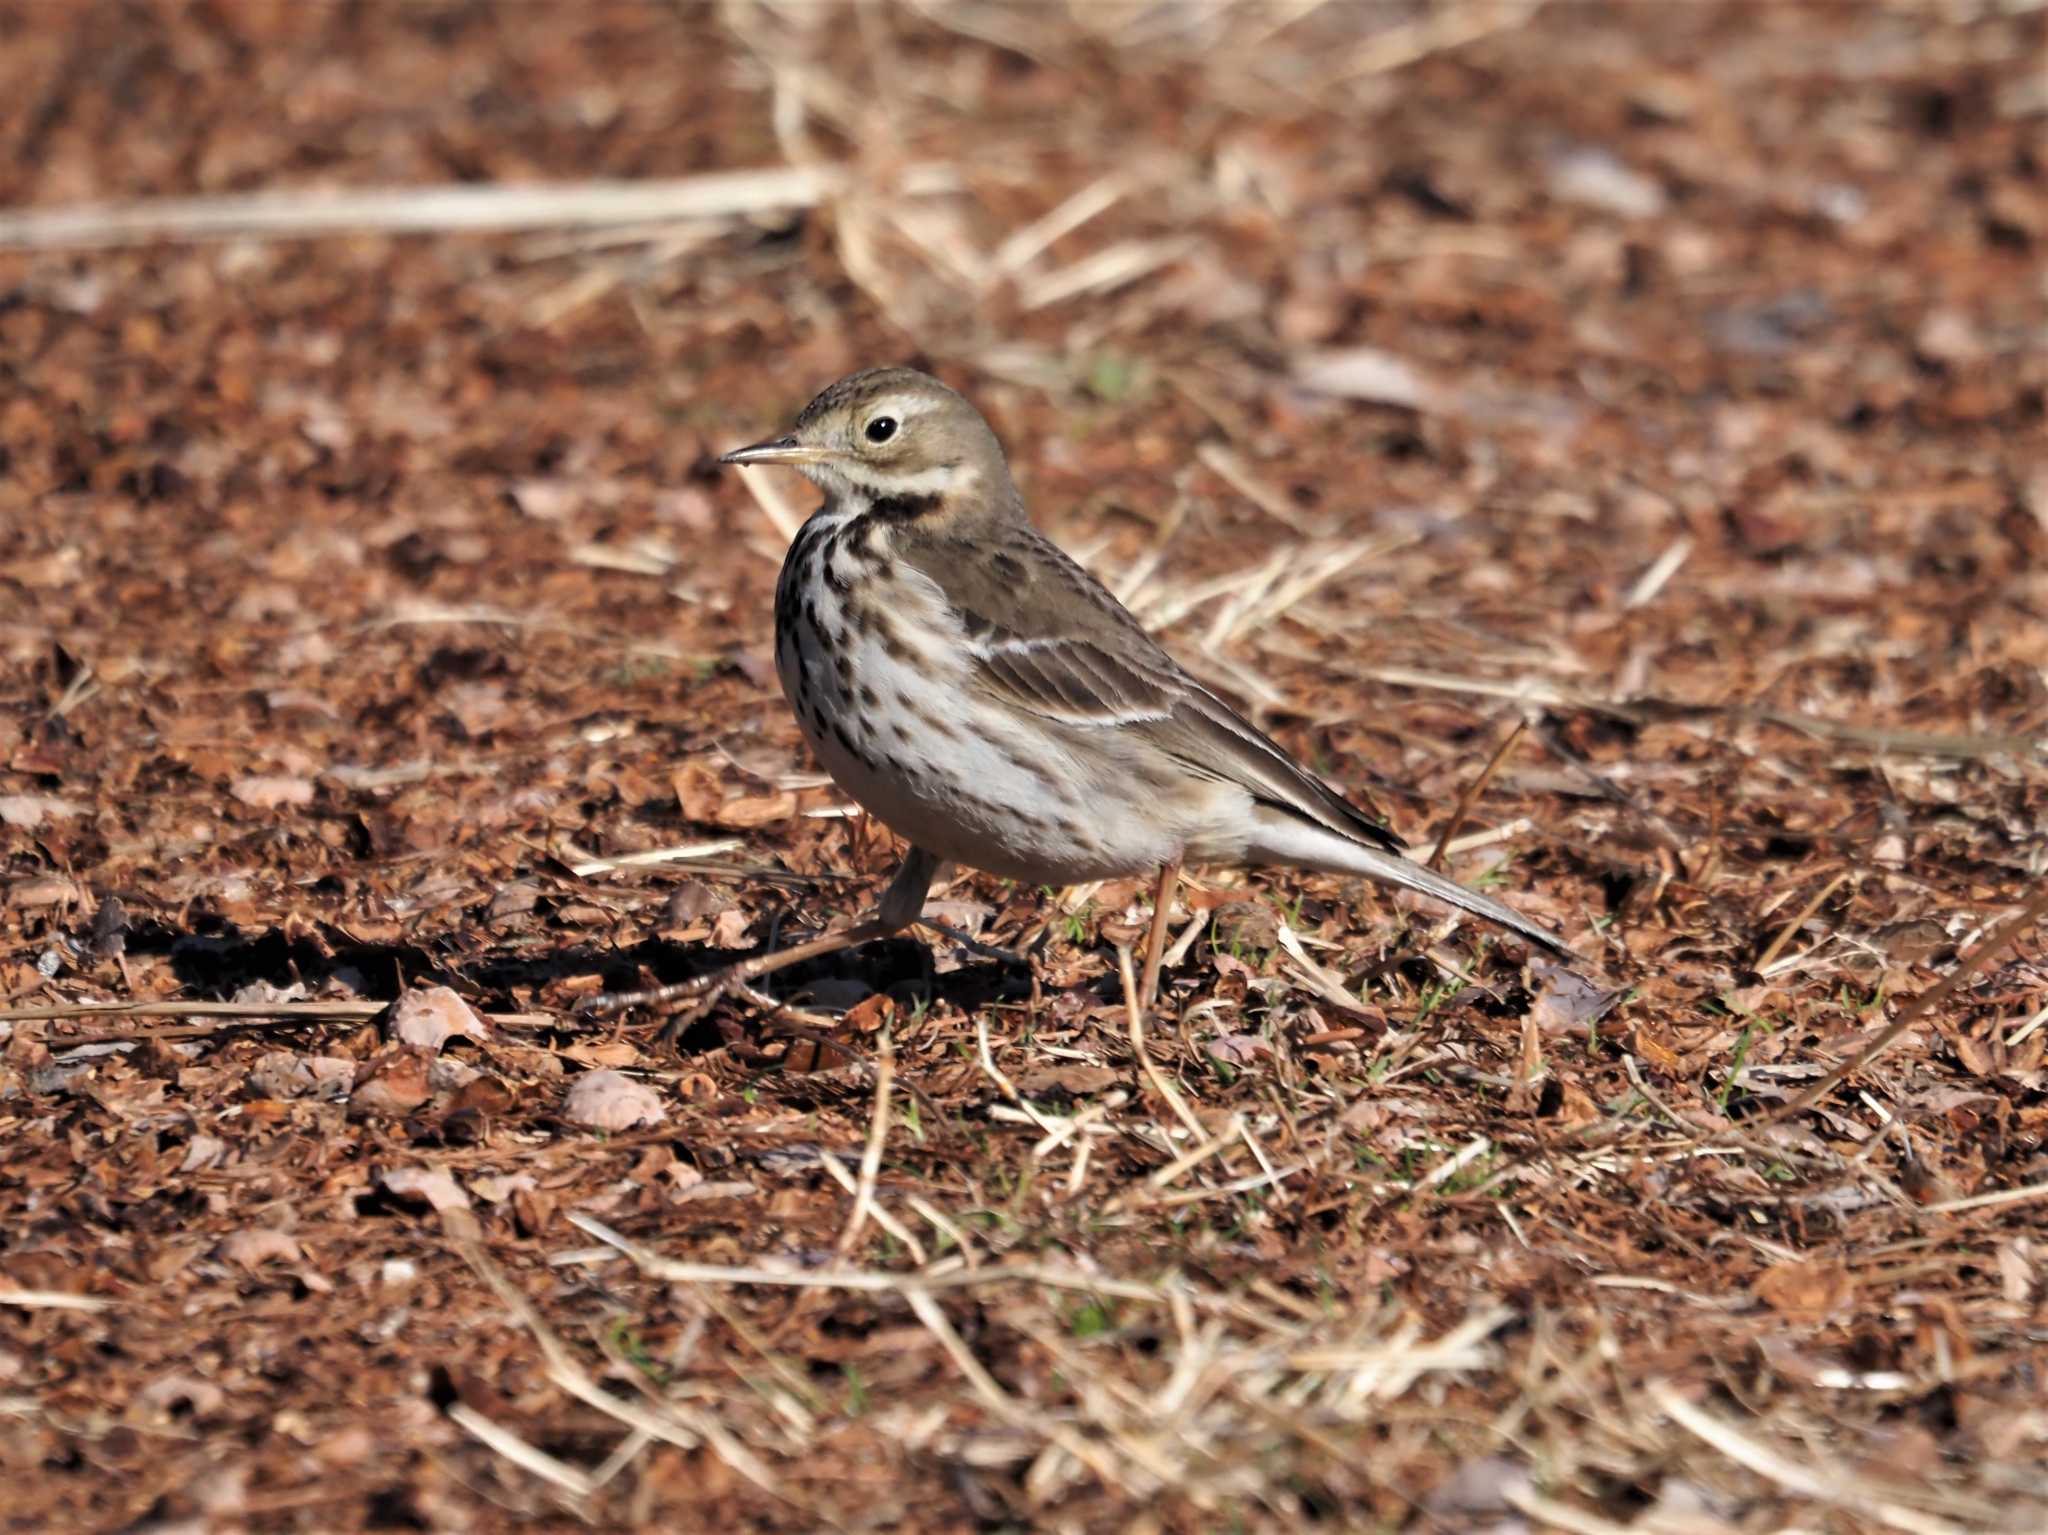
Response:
column 881, row 429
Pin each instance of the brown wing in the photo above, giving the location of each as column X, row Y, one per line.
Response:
column 1046, row 637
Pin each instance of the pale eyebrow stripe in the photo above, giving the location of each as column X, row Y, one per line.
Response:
column 903, row 408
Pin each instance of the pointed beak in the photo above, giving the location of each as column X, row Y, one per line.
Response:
column 783, row 450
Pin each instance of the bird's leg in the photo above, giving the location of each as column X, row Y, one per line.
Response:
column 901, row 903
column 1155, row 941
column 904, row 898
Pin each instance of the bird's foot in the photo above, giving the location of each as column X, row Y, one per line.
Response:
column 1010, row 957
column 706, row 989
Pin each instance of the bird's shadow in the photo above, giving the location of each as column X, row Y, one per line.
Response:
column 214, row 959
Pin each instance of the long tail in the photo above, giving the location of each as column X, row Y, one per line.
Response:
column 1286, row 839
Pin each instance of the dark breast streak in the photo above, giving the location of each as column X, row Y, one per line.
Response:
column 797, row 576
column 824, row 601
column 796, row 594
column 830, row 561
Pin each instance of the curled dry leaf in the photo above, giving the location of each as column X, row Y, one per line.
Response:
column 430, row 1016
column 611, row 1100
column 394, row 1081
column 447, row 1075
column 513, row 900
column 634, row 787
column 280, row 1074
column 871, row 1014
column 1747, row 1000
column 274, row 791
column 1238, row 1049
column 809, row 1055
column 729, row 929
column 532, row 1209
column 1980, row 1057
column 203, row 1151
column 254, row 1246
column 602, row 1052
column 496, row 1188
column 754, row 810
column 1229, row 965
column 1566, row 1002
column 1806, row 1289
column 481, row 1095
column 434, row 1185
column 698, row 789
column 1656, row 1053
column 28, row 811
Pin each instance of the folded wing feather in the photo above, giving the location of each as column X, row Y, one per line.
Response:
column 1120, row 680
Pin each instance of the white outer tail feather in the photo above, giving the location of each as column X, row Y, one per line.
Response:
column 1284, row 839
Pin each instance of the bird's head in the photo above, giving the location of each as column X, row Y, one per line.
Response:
column 896, row 436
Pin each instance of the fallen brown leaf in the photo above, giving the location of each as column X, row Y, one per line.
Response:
column 430, row 1016
column 394, row 1081
column 1808, row 1290
column 610, row 1100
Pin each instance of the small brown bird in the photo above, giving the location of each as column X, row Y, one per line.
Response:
column 984, row 696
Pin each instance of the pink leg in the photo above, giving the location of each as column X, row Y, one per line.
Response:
column 1155, row 941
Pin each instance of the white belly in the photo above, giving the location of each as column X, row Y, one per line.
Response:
column 917, row 749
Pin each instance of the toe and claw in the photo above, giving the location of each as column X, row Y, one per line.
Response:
column 900, row 907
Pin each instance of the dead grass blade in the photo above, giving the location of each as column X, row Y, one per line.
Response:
column 1821, row 1484
column 1992, row 1200
column 529, row 1458
column 670, row 1421
column 1472, row 792
column 1777, row 944
column 1987, row 949
column 54, row 1300
column 1439, row 30
column 878, row 1135
column 653, row 857
column 274, row 1012
column 1025, row 245
column 872, row 1281
column 1146, row 1064
column 300, row 215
